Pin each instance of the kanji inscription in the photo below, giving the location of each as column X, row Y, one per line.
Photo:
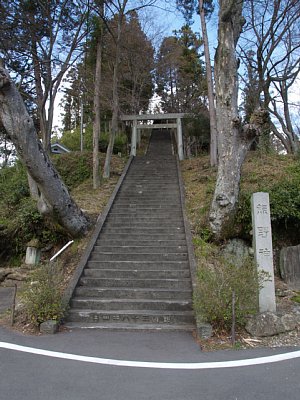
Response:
column 263, row 250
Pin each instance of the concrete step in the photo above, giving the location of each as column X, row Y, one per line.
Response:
column 183, row 283
column 124, row 327
column 137, row 185
column 152, row 194
column 145, row 199
column 128, row 241
column 137, row 191
column 142, row 203
column 126, row 293
column 155, row 237
column 146, row 222
column 147, row 213
column 118, row 211
column 143, row 231
column 158, row 182
column 136, row 274
column 130, row 304
column 101, row 256
column 142, row 174
column 147, row 195
column 131, row 316
column 153, row 218
column 139, row 265
column 139, row 249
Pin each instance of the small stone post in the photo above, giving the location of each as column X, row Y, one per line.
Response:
column 263, row 251
column 179, row 139
column 133, row 138
column 33, row 252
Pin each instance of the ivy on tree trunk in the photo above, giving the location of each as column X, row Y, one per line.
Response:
column 234, row 139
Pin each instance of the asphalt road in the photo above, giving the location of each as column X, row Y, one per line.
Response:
column 30, row 376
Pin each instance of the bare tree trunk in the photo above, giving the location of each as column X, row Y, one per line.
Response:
column 20, row 128
column 210, row 90
column 97, row 115
column 115, row 107
column 114, row 125
column 233, row 139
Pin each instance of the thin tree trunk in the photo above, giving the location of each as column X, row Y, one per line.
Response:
column 210, row 90
column 97, row 115
column 40, row 97
column 20, row 128
column 115, row 114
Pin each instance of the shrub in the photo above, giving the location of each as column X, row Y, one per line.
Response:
column 13, row 185
column 284, row 202
column 74, row 168
column 215, row 286
column 42, row 296
column 71, row 139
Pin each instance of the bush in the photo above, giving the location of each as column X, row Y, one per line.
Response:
column 71, row 139
column 27, row 222
column 215, row 286
column 13, row 185
column 284, row 202
column 42, row 296
column 74, row 168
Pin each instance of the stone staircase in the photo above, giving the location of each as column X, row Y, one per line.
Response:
column 137, row 275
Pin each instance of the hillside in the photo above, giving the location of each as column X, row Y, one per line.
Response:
column 75, row 169
column 275, row 174
column 279, row 175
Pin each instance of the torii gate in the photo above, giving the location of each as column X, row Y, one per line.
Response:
column 154, row 117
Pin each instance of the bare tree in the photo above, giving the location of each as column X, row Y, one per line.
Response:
column 97, row 93
column 234, row 139
column 271, row 45
column 205, row 7
column 118, row 9
column 40, row 40
column 115, row 98
column 210, row 90
column 56, row 199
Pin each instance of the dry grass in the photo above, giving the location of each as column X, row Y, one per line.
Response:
column 93, row 201
column 264, row 170
column 259, row 171
column 199, row 181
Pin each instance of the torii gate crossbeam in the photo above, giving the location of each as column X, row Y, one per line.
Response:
column 154, row 117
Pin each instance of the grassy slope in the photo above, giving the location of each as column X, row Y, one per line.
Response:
column 260, row 172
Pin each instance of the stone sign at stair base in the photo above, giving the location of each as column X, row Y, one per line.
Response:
column 133, row 318
column 263, row 251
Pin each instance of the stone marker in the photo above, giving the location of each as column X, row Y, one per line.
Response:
column 49, row 327
column 263, row 251
column 204, row 330
column 33, row 252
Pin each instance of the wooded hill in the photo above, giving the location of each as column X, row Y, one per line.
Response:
column 111, row 67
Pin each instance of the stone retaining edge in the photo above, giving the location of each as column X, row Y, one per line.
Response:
column 204, row 330
column 187, row 228
column 98, row 227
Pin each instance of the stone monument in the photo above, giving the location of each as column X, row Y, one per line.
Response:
column 263, row 251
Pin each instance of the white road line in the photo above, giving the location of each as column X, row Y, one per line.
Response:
column 155, row 365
